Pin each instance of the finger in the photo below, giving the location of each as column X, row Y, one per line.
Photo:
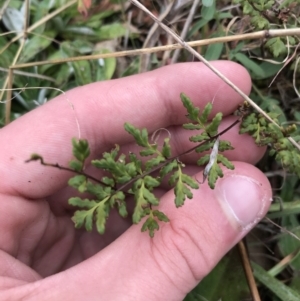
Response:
column 148, row 100
column 182, row 252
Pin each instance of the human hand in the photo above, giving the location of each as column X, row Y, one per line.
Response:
column 43, row 257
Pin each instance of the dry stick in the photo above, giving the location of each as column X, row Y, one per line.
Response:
column 29, row 74
column 26, row 19
column 186, row 28
column 255, row 35
column 9, row 96
column 211, row 67
column 283, row 263
column 248, row 271
column 153, row 34
column 282, row 228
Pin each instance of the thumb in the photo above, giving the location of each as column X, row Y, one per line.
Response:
column 167, row 267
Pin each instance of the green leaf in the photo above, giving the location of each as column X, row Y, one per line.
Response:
column 35, row 45
column 282, row 291
column 102, row 213
column 206, row 111
column 140, row 137
column 82, row 203
column 118, row 199
column 260, row 22
column 214, row 51
column 138, row 163
column 191, row 126
column 207, row 2
column 151, row 182
column 105, row 67
column 166, row 150
column 214, row 173
column 79, row 182
column 98, row 190
column 225, row 145
column 151, row 225
column 154, row 162
column 225, row 162
column 150, row 197
column 208, row 11
column 181, row 190
column 161, row 216
column 189, row 181
column 120, row 171
column 83, row 72
column 203, row 160
column 76, row 165
column 249, row 64
column 200, row 137
column 83, row 218
column 276, row 46
column 147, row 152
column 212, row 128
column 108, row 181
column 81, row 149
column 143, row 197
column 205, row 147
column 193, row 112
column 247, row 8
column 111, row 31
column 168, row 168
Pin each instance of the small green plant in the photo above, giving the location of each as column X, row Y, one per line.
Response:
column 268, row 14
column 266, row 133
column 133, row 176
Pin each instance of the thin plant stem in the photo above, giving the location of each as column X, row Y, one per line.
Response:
column 255, row 35
column 248, row 271
column 122, row 187
column 186, row 28
column 56, row 165
column 8, row 96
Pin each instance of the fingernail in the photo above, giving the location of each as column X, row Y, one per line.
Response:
column 242, row 198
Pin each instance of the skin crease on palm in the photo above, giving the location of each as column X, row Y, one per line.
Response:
column 43, row 257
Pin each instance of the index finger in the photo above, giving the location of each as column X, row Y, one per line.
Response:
column 148, row 100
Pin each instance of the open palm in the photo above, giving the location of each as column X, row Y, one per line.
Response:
column 43, row 257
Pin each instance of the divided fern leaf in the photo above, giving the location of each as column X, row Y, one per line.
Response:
column 81, row 149
column 129, row 175
column 193, row 112
column 206, row 111
column 150, row 225
column 140, row 136
column 182, row 183
column 82, row 203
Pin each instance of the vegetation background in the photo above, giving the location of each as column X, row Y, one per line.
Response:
column 110, row 35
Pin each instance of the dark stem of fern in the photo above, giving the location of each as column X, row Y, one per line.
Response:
column 121, row 188
column 178, row 156
column 56, row 165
